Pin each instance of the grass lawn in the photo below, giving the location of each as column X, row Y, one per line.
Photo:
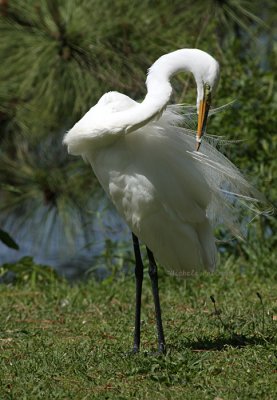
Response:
column 60, row 341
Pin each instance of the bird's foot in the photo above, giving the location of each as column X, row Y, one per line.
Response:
column 135, row 350
column 161, row 348
column 161, row 351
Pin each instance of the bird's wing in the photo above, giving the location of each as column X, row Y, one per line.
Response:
column 157, row 206
column 158, row 189
column 172, row 171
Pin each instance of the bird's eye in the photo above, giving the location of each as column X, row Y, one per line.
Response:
column 207, row 92
column 207, row 89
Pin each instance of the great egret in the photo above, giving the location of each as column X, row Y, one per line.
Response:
column 169, row 193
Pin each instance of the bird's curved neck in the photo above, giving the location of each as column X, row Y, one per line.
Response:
column 158, row 84
column 159, row 89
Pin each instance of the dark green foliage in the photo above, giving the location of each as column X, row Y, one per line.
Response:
column 58, row 58
column 27, row 270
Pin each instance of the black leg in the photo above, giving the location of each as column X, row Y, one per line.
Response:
column 153, row 273
column 139, row 279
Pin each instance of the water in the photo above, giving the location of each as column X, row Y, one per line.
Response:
column 71, row 249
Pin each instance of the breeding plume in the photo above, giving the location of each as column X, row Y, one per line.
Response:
column 169, row 192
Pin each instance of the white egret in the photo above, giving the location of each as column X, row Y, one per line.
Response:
column 169, row 193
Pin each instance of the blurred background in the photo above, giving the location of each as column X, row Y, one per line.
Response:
column 59, row 57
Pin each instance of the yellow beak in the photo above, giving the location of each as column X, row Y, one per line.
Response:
column 204, row 108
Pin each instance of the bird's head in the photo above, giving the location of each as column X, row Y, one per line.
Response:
column 205, row 70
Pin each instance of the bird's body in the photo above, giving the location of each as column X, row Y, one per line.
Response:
column 169, row 194
column 157, row 187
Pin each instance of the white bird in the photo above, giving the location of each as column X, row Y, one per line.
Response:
column 170, row 194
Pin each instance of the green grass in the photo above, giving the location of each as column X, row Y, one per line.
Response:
column 69, row 342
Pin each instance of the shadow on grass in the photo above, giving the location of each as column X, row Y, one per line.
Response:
column 221, row 342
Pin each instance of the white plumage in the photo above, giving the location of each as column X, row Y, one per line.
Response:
column 170, row 195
